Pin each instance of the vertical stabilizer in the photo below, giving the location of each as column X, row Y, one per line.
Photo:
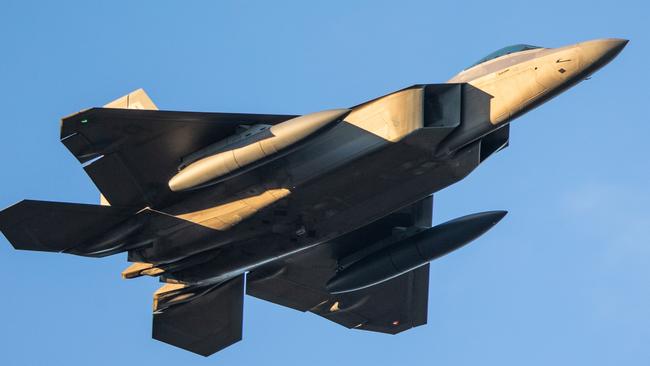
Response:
column 202, row 320
column 137, row 99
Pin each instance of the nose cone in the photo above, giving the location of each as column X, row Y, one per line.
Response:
column 597, row 53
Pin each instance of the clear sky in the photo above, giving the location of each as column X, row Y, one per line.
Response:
column 564, row 279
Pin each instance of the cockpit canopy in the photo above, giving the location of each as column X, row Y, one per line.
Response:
column 505, row 51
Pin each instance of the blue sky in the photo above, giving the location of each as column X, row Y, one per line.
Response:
column 562, row 280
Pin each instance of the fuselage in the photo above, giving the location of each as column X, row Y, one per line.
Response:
column 386, row 154
column 328, row 212
column 521, row 80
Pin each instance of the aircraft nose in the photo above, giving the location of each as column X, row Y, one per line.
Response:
column 597, row 53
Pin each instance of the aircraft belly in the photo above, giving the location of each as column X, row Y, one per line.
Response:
column 339, row 202
column 346, row 178
column 378, row 184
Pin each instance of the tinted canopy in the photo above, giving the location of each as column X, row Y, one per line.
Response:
column 505, row 51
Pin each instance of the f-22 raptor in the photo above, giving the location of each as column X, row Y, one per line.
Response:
column 329, row 212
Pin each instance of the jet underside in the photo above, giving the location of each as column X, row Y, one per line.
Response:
column 329, row 212
column 343, row 180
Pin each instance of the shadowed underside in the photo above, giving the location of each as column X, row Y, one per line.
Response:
column 328, row 212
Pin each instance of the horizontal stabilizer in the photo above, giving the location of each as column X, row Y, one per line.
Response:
column 203, row 320
column 56, row 226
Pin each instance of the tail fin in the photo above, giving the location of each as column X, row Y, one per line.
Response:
column 202, row 320
column 137, row 99
column 57, row 226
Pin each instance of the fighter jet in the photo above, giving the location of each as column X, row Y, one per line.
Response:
column 329, row 212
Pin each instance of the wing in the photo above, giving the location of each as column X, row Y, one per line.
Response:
column 131, row 154
column 390, row 307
